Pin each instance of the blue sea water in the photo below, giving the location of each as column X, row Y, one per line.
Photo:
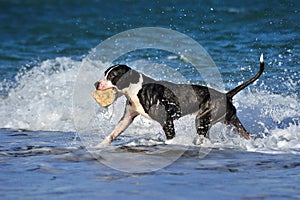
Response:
column 44, row 44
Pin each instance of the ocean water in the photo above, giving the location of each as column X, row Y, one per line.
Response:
column 49, row 124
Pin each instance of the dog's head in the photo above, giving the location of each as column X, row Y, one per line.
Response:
column 118, row 77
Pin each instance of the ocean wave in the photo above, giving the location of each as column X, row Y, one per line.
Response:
column 40, row 98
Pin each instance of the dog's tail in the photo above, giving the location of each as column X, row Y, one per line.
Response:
column 233, row 92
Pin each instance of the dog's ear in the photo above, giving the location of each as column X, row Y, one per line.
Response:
column 130, row 77
column 122, row 76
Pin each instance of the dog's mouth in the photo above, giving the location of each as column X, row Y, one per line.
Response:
column 105, row 93
column 108, row 88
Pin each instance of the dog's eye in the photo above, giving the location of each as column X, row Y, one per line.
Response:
column 112, row 77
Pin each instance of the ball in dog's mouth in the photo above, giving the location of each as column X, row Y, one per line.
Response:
column 105, row 97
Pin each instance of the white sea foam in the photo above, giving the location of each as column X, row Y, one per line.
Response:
column 42, row 100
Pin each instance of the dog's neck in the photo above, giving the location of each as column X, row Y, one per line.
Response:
column 133, row 88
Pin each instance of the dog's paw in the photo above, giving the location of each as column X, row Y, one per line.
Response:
column 170, row 141
column 201, row 140
column 104, row 143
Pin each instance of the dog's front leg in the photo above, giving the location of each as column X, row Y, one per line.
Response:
column 126, row 120
column 169, row 129
column 203, row 124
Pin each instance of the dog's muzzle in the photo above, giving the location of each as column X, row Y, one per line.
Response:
column 103, row 84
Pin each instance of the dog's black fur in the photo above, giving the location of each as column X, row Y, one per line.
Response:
column 165, row 102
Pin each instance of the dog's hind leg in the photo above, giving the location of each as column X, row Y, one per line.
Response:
column 236, row 122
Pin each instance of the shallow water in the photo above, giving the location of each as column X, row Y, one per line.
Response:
column 45, row 154
column 40, row 165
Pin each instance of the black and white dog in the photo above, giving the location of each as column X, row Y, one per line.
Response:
column 165, row 102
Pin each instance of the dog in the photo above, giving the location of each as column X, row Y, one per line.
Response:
column 165, row 102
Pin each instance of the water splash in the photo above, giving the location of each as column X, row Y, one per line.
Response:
column 41, row 99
